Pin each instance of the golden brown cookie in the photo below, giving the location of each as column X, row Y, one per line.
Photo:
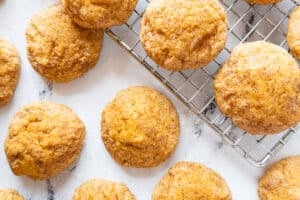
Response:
column 281, row 181
column 44, row 138
column 58, row 49
column 140, row 127
column 258, row 87
column 293, row 33
column 9, row 71
column 191, row 181
column 99, row 14
column 9, row 194
column 103, row 190
column 180, row 34
column 263, row 2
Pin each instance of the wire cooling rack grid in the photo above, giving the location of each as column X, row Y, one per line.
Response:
column 195, row 87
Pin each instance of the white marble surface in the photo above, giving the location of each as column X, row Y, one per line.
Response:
column 87, row 96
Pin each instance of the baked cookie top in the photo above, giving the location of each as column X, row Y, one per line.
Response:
column 9, row 71
column 281, row 180
column 43, row 139
column 263, row 2
column 99, row 14
column 9, row 194
column 59, row 49
column 140, row 127
column 191, row 181
column 258, row 87
column 179, row 34
column 103, row 190
column 293, row 33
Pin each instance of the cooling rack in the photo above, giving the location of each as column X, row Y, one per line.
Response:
column 195, row 87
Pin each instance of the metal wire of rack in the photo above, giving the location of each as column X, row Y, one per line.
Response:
column 195, row 87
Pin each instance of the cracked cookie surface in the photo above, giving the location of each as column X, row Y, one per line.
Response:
column 258, row 87
column 191, row 181
column 99, row 14
column 140, row 127
column 44, row 138
column 9, row 194
column 293, row 33
column 263, row 2
column 103, row 190
column 59, row 49
column 9, row 71
column 179, row 34
column 281, row 180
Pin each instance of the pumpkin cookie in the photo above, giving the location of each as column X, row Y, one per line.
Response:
column 293, row 33
column 59, row 49
column 258, row 87
column 263, row 2
column 281, row 180
column 140, row 127
column 99, row 14
column 180, row 34
column 191, row 181
column 9, row 71
column 102, row 189
column 8, row 194
column 44, row 138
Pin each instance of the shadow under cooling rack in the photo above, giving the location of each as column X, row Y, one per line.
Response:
column 195, row 87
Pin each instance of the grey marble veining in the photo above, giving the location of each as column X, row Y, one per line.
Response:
column 198, row 128
column 50, row 191
column 46, row 92
column 251, row 20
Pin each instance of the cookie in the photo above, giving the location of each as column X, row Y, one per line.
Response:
column 140, row 127
column 102, row 189
column 293, row 33
column 99, row 14
column 9, row 71
column 44, row 138
column 58, row 49
column 173, row 36
column 9, row 194
column 258, row 87
column 263, row 2
column 281, row 180
column 190, row 181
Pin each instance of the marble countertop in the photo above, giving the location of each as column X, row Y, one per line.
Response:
column 88, row 96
